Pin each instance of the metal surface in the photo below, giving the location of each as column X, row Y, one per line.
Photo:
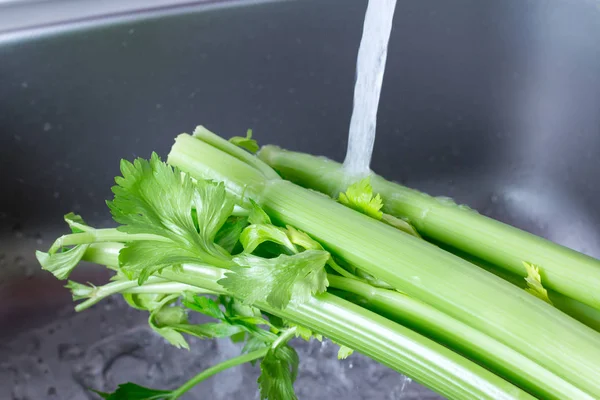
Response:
column 493, row 103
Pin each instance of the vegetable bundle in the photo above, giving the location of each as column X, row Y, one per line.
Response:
column 429, row 289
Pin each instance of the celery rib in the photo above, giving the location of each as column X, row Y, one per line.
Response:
column 387, row 342
column 564, row 270
column 580, row 311
column 393, row 345
column 473, row 344
column 453, row 286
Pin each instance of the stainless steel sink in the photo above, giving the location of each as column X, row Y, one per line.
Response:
column 493, row 103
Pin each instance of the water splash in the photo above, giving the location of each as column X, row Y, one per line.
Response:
column 370, row 66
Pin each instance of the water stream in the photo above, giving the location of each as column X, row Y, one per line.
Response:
column 370, row 66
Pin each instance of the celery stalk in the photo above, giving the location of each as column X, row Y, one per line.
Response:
column 453, row 286
column 563, row 270
column 461, row 338
column 387, row 342
column 580, row 311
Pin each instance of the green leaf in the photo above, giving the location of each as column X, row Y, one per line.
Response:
column 359, row 196
column 254, row 343
column 237, row 319
column 229, row 234
column 131, row 391
column 258, row 215
column 236, row 309
column 255, row 235
column 246, row 142
column 305, row 333
column 162, row 319
column 203, row 305
column 239, row 337
column 314, row 282
column 76, row 223
column 209, row 330
column 302, row 239
column 279, row 369
column 274, row 280
column 141, row 259
column 153, row 198
column 61, row 264
column 534, row 282
column 344, row 352
column 144, row 301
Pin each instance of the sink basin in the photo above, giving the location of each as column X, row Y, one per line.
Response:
column 492, row 103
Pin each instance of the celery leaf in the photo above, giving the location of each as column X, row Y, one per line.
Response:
column 534, row 282
column 359, row 196
column 279, row 369
column 254, row 235
column 344, row 352
column 62, row 263
column 131, row 391
column 246, row 143
column 153, row 198
column 229, row 234
column 276, row 279
column 258, row 215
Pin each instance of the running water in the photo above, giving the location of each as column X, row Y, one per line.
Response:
column 370, row 66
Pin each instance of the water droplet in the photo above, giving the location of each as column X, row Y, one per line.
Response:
column 467, row 208
column 445, row 200
column 47, row 126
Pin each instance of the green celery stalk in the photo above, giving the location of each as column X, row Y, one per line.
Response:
column 375, row 336
column 106, row 250
column 387, row 342
column 455, row 287
column 241, row 359
column 563, row 270
column 399, row 348
column 428, row 321
column 581, row 312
